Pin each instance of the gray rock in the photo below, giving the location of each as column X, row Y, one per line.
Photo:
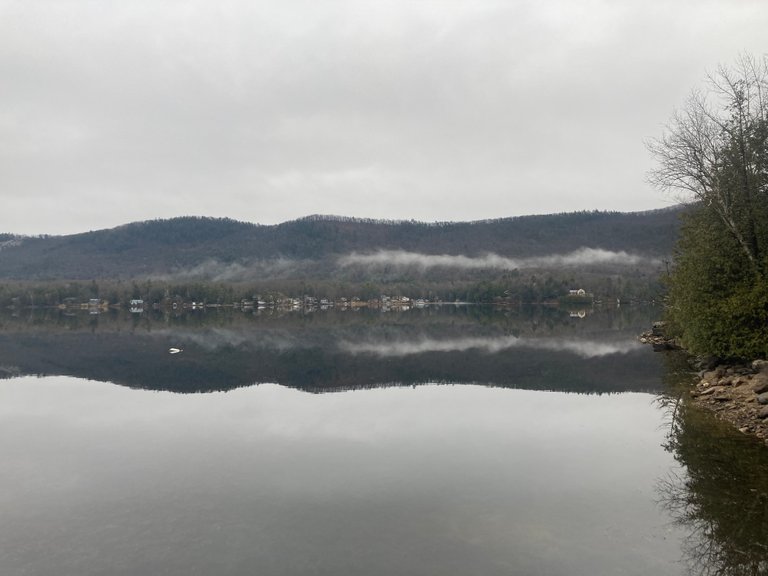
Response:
column 763, row 398
column 759, row 365
column 763, row 413
column 760, row 383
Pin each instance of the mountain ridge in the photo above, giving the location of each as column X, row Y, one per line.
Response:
column 151, row 247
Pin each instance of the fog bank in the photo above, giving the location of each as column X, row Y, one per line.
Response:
column 581, row 257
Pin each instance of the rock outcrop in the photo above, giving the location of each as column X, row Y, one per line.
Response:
column 657, row 338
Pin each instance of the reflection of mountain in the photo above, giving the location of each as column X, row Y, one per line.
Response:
column 332, row 351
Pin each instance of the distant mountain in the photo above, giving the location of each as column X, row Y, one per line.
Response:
column 162, row 247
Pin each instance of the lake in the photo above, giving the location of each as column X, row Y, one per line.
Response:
column 455, row 440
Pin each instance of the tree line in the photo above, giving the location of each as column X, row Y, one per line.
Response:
column 715, row 151
column 505, row 287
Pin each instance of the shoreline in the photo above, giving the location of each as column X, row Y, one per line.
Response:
column 736, row 393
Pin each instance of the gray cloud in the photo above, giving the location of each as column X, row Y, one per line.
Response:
column 266, row 111
column 580, row 257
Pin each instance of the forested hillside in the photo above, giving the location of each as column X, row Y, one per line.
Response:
column 161, row 247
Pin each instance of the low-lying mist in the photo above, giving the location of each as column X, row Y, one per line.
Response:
column 286, row 268
column 580, row 257
column 216, row 271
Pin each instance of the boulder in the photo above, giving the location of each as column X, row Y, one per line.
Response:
column 657, row 329
column 760, row 383
column 763, row 413
column 760, row 365
column 712, row 377
column 763, row 398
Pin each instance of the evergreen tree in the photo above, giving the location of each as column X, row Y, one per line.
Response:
column 716, row 150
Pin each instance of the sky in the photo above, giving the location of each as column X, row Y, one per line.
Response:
column 113, row 112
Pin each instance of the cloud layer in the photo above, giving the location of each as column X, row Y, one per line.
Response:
column 267, row 111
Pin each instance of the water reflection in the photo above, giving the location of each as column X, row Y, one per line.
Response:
column 333, row 350
column 582, row 349
column 450, row 480
column 721, row 494
column 437, row 479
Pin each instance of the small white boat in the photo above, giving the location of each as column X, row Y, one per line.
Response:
column 174, row 350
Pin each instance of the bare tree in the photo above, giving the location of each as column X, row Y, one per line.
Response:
column 715, row 150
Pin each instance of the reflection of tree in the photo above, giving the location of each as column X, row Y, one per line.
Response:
column 725, row 544
column 225, row 350
column 722, row 495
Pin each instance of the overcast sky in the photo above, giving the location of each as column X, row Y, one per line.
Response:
column 117, row 111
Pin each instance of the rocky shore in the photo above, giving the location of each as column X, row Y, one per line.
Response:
column 735, row 393
column 657, row 338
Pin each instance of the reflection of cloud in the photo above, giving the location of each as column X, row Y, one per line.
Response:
column 215, row 338
column 580, row 257
column 9, row 371
column 582, row 348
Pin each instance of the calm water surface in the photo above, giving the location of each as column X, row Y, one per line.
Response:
column 434, row 480
column 428, row 478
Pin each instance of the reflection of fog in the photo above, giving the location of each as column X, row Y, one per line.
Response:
column 9, row 371
column 582, row 348
column 215, row 338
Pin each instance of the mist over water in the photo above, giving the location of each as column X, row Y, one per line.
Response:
column 218, row 271
column 581, row 257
